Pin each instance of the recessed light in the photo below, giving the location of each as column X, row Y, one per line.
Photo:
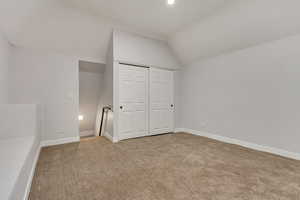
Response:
column 171, row 2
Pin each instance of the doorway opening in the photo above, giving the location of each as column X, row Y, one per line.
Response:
column 91, row 80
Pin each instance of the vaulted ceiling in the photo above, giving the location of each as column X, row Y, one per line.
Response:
column 239, row 24
column 194, row 29
column 153, row 16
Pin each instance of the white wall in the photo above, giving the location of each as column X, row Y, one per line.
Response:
column 18, row 121
column 90, row 90
column 5, row 50
column 51, row 81
column 252, row 95
column 136, row 49
column 107, row 97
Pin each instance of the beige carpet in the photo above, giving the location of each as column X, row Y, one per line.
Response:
column 173, row 166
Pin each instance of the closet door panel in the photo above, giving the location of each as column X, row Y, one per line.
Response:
column 161, row 101
column 133, row 101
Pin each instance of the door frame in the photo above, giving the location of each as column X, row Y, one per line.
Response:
column 116, row 98
column 116, row 103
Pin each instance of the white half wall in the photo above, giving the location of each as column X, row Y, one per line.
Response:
column 5, row 50
column 51, row 81
column 250, row 95
column 17, row 120
column 19, row 148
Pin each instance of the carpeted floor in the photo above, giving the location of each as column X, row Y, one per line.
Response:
column 166, row 167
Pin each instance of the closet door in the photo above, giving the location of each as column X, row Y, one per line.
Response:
column 133, row 101
column 161, row 101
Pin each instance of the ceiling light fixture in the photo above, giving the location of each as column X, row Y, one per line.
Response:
column 171, row 2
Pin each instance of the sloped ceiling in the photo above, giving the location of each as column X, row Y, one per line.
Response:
column 152, row 16
column 84, row 28
column 14, row 14
column 195, row 29
column 238, row 25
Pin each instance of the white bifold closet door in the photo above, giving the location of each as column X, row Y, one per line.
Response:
column 161, row 101
column 133, row 101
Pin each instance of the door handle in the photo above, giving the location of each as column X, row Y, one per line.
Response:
column 121, row 107
column 172, row 105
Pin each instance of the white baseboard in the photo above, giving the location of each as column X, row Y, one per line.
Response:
column 272, row 150
column 108, row 136
column 177, row 130
column 31, row 175
column 111, row 138
column 36, row 158
column 60, row 141
column 87, row 133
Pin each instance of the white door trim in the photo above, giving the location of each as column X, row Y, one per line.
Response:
column 117, row 103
